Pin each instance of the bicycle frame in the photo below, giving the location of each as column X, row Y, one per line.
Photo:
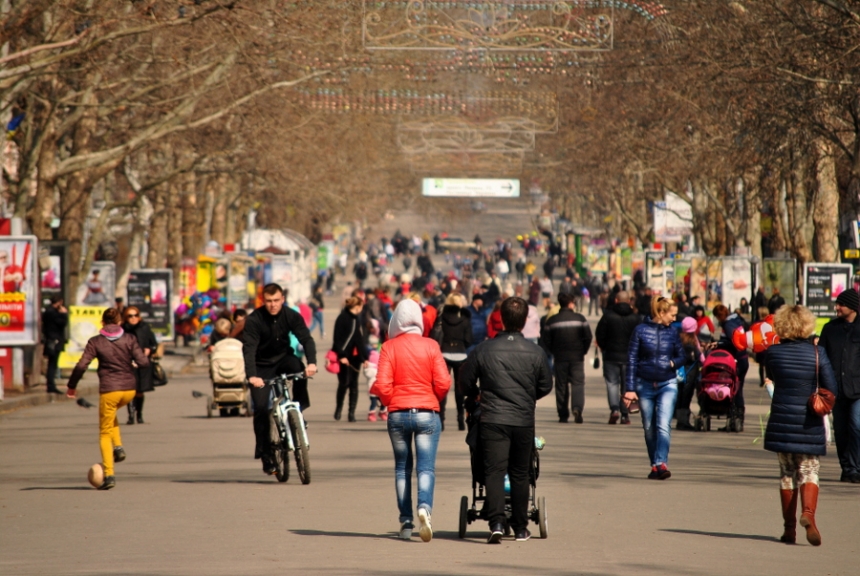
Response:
column 283, row 404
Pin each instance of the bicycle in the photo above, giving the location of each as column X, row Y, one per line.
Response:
column 287, row 430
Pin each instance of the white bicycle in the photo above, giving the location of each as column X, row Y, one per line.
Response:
column 287, row 430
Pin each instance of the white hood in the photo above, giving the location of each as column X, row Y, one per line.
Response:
column 406, row 319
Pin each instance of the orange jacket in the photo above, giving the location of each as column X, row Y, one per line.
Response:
column 428, row 313
column 411, row 374
column 494, row 324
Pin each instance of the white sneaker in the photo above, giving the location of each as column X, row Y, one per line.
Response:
column 406, row 531
column 424, row 528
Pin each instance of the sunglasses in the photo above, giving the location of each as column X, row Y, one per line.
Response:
column 133, row 316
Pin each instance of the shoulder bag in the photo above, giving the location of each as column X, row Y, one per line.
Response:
column 822, row 400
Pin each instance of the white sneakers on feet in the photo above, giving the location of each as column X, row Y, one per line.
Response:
column 406, row 531
column 424, row 528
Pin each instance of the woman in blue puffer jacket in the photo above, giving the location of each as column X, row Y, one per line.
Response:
column 794, row 431
column 653, row 358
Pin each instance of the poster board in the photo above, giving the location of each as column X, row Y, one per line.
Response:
column 99, row 287
column 655, row 272
column 241, row 283
column 714, row 293
column 699, row 278
column 54, row 270
column 19, row 291
column 737, row 281
column 822, row 284
column 84, row 323
column 151, row 290
column 782, row 275
column 681, row 268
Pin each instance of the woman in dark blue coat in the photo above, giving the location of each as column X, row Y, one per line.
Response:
column 794, row 431
column 653, row 358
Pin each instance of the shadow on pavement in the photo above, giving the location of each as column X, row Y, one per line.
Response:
column 722, row 535
column 440, row 535
column 211, row 481
column 55, row 488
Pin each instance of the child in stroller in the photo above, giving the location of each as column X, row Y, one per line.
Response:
column 716, row 391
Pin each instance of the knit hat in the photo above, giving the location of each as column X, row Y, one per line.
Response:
column 850, row 299
column 689, row 325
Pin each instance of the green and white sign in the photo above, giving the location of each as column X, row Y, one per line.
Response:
column 470, row 188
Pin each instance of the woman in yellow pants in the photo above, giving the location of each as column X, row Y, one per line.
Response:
column 119, row 355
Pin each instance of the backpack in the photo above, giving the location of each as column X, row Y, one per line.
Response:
column 226, row 362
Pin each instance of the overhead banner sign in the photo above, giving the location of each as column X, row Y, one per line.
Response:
column 151, row 291
column 470, row 188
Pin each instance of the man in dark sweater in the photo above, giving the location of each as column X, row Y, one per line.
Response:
column 268, row 353
column 514, row 375
column 55, row 318
column 613, row 338
column 567, row 336
column 840, row 338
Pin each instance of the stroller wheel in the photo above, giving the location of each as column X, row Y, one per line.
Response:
column 464, row 516
column 697, row 425
column 542, row 519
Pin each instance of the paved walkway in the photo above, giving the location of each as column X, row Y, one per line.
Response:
column 191, row 500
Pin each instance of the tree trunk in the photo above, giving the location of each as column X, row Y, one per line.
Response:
column 158, row 229
column 826, row 207
column 798, row 213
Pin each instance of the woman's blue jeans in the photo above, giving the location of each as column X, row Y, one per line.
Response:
column 657, row 406
column 424, row 427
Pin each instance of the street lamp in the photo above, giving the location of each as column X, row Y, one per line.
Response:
column 754, row 262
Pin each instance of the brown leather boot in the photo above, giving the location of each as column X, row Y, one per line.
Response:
column 809, row 501
column 789, row 515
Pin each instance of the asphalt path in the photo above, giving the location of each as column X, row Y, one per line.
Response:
column 191, row 500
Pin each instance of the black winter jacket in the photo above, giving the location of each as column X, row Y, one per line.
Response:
column 567, row 336
column 145, row 339
column 348, row 338
column 652, row 347
column 456, row 325
column 54, row 326
column 514, row 375
column 614, row 331
column 841, row 342
column 728, row 327
column 792, row 426
column 266, row 340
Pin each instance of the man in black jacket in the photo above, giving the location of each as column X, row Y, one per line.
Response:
column 54, row 321
column 268, row 353
column 567, row 336
column 613, row 338
column 840, row 338
column 514, row 374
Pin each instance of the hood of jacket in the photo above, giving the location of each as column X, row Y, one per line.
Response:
column 112, row 332
column 623, row 309
column 406, row 319
column 454, row 315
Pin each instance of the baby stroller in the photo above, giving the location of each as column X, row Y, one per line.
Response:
column 716, row 390
column 229, row 387
column 469, row 514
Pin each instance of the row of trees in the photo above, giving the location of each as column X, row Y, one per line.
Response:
column 161, row 125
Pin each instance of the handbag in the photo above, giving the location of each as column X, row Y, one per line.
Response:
column 159, row 376
column 822, row 400
column 332, row 364
column 596, row 362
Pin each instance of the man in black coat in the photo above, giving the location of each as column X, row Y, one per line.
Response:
column 514, row 375
column 55, row 318
column 268, row 353
column 613, row 338
column 567, row 336
column 840, row 338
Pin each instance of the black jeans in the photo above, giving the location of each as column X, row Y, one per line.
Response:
column 507, row 449
column 458, row 395
column 261, row 401
column 51, row 374
column 743, row 368
column 347, row 379
column 569, row 387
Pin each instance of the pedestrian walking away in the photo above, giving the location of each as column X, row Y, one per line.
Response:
column 268, row 353
column 412, row 380
column 513, row 375
column 134, row 325
column 455, row 338
column 654, row 356
column 612, row 335
column 115, row 350
column 348, row 343
column 840, row 339
column 729, row 324
column 567, row 337
column 797, row 369
column 55, row 318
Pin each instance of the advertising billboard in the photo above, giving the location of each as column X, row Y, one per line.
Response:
column 99, row 287
column 19, row 288
column 151, row 290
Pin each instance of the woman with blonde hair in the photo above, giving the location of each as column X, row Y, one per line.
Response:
column 797, row 368
column 455, row 337
column 654, row 355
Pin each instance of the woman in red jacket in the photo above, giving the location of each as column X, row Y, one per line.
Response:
column 412, row 380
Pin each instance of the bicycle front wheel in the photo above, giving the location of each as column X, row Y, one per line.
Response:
column 303, row 462
column 279, row 449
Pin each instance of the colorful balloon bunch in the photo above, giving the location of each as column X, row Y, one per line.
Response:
column 196, row 314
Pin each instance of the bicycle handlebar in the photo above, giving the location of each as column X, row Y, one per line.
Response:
column 285, row 377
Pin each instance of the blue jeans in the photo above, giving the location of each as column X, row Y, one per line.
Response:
column 657, row 405
column 425, row 427
column 846, row 432
column 317, row 320
column 615, row 374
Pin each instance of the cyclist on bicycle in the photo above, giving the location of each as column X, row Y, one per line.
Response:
column 268, row 353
